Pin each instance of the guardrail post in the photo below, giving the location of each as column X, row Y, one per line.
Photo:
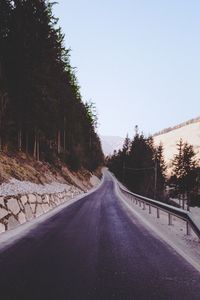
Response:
column 149, row 209
column 188, row 228
column 172, row 211
column 169, row 219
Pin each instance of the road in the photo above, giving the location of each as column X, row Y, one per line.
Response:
column 93, row 249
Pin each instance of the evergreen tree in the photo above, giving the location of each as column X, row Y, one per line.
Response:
column 126, row 145
column 177, row 161
column 134, row 164
column 141, row 159
column 140, row 165
column 161, row 171
column 184, row 164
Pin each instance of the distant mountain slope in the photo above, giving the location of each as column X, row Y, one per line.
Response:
column 189, row 131
column 111, row 143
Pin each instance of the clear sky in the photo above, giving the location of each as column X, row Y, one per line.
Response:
column 138, row 60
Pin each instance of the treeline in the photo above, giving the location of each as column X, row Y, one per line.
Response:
column 41, row 110
column 140, row 166
column 166, row 130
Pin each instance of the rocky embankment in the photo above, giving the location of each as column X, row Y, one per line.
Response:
column 29, row 188
column 20, row 208
column 22, row 201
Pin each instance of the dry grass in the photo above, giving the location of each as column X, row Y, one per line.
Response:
column 23, row 167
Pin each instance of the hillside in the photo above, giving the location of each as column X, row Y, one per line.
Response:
column 19, row 172
column 111, row 143
column 189, row 131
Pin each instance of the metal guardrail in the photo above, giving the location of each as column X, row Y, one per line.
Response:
column 169, row 209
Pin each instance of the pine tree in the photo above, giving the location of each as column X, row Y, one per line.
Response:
column 126, row 145
column 177, row 161
column 184, row 164
column 144, row 165
column 161, row 172
column 138, row 170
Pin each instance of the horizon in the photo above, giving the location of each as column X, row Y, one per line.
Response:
column 161, row 131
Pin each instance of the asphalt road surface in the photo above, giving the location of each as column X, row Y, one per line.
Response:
column 92, row 249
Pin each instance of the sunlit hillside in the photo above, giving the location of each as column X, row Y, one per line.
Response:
column 188, row 131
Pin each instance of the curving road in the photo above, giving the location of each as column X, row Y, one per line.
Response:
column 92, row 249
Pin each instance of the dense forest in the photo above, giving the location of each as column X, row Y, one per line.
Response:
column 41, row 110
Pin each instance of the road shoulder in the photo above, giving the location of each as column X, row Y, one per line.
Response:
column 9, row 237
column 186, row 246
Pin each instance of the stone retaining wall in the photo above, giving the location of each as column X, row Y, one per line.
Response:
column 18, row 209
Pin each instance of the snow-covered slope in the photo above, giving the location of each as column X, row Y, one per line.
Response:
column 111, row 143
column 188, row 131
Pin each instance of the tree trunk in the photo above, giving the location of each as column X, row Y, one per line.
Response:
column 35, row 146
column 20, row 140
column 64, row 135
column 64, row 140
column 59, row 142
column 38, row 149
column 90, row 142
column 27, row 140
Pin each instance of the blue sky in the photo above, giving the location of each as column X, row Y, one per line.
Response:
column 138, row 60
